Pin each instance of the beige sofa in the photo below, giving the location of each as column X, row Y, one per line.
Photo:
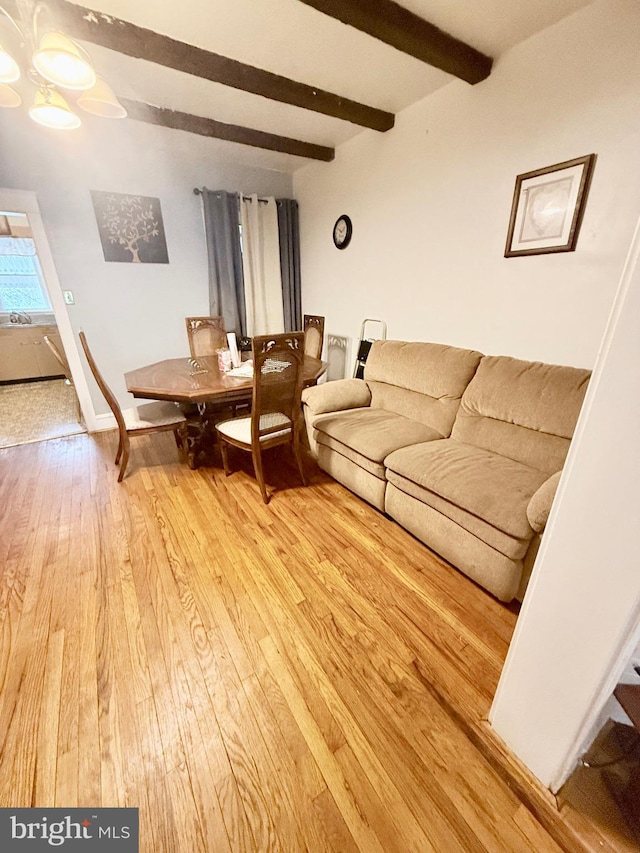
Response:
column 463, row 450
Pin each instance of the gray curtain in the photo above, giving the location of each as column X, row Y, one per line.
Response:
column 226, row 282
column 289, row 229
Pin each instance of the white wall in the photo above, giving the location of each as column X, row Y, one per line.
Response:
column 133, row 314
column 430, row 201
column 580, row 620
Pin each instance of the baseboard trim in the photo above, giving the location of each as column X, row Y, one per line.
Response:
column 102, row 423
column 540, row 801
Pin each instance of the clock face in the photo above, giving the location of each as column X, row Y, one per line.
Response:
column 342, row 232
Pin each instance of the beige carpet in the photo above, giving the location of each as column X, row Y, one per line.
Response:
column 35, row 411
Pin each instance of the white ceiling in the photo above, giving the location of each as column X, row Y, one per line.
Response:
column 294, row 40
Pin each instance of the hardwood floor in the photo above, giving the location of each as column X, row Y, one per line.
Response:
column 285, row 678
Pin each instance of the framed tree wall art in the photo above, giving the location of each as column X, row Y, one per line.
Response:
column 548, row 207
column 131, row 228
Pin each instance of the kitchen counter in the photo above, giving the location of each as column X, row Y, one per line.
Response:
column 24, row 353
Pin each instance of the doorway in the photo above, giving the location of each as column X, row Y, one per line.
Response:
column 43, row 391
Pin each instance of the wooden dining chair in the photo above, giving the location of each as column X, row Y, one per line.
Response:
column 313, row 335
column 64, row 366
column 275, row 412
column 206, row 335
column 158, row 416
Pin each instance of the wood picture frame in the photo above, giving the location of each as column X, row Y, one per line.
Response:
column 548, row 207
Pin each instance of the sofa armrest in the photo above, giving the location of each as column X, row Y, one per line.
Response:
column 540, row 503
column 337, row 396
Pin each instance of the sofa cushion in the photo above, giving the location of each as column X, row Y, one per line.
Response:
column 492, row 487
column 510, row 546
column 491, row 569
column 370, row 434
column 421, row 381
column 354, row 475
column 324, row 447
column 525, row 410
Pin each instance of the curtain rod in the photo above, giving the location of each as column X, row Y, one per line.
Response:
column 198, row 191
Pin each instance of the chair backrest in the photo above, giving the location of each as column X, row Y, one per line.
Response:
column 313, row 335
column 277, row 383
column 206, row 335
column 102, row 385
column 60, row 357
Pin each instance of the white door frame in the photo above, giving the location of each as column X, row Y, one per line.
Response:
column 25, row 201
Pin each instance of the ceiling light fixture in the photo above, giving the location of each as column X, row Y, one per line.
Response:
column 60, row 61
column 51, row 61
column 9, row 69
column 100, row 100
column 9, row 97
column 50, row 109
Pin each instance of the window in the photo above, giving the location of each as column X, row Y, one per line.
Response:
column 21, row 282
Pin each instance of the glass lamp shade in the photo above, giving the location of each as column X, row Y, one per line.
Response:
column 51, row 110
column 9, row 68
column 61, row 61
column 9, row 97
column 101, row 100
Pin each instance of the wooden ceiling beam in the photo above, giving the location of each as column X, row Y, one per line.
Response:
column 132, row 40
column 397, row 26
column 219, row 130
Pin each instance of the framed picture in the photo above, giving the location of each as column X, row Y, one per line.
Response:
column 131, row 228
column 548, row 206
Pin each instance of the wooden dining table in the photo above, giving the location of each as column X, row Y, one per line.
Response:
column 201, row 389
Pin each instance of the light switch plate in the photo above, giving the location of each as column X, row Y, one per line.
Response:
column 68, row 297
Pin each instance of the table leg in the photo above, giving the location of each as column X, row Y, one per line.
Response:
column 202, row 440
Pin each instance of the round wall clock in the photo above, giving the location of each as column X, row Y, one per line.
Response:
column 342, row 231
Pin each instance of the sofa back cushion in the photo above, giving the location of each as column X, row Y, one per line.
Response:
column 525, row 410
column 421, row 381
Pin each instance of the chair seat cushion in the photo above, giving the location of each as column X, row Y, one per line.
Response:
column 239, row 429
column 489, row 486
column 154, row 414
